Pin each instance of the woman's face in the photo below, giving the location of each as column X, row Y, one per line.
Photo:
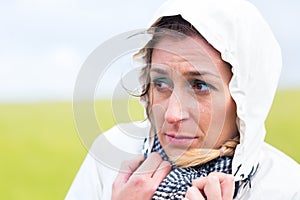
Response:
column 191, row 106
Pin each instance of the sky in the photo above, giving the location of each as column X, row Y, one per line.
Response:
column 44, row 43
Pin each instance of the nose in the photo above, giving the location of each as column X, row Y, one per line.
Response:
column 176, row 109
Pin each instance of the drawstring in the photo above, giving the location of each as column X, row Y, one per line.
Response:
column 236, row 188
column 245, row 181
column 237, row 183
column 249, row 177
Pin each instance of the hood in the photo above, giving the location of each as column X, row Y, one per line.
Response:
column 238, row 31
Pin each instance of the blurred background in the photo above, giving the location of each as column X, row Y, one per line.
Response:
column 43, row 44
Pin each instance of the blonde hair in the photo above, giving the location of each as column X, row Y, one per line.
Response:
column 195, row 157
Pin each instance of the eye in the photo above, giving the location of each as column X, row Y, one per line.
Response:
column 199, row 86
column 163, row 84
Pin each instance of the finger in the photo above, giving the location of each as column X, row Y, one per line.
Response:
column 161, row 172
column 227, row 188
column 210, row 185
column 193, row 193
column 149, row 166
column 126, row 170
column 227, row 185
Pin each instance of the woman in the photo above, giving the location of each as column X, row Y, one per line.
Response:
column 212, row 68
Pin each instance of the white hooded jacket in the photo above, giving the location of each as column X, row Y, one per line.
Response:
column 237, row 30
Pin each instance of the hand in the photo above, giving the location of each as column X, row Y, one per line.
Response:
column 136, row 181
column 216, row 186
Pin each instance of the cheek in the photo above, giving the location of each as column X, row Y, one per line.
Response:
column 215, row 116
column 220, row 102
column 202, row 114
column 158, row 111
column 222, row 121
column 228, row 112
column 158, row 106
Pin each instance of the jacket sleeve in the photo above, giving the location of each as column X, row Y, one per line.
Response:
column 99, row 169
column 87, row 183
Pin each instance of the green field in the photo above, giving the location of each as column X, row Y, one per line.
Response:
column 41, row 150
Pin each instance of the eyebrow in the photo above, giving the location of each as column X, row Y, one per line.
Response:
column 159, row 71
column 188, row 73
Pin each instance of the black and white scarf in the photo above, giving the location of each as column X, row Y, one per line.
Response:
column 176, row 183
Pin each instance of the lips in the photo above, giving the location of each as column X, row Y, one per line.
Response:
column 179, row 139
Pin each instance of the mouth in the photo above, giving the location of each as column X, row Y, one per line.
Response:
column 179, row 140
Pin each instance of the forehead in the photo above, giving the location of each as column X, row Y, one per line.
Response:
column 190, row 52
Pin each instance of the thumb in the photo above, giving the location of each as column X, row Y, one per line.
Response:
column 127, row 169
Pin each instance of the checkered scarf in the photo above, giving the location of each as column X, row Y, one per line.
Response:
column 176, row 183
